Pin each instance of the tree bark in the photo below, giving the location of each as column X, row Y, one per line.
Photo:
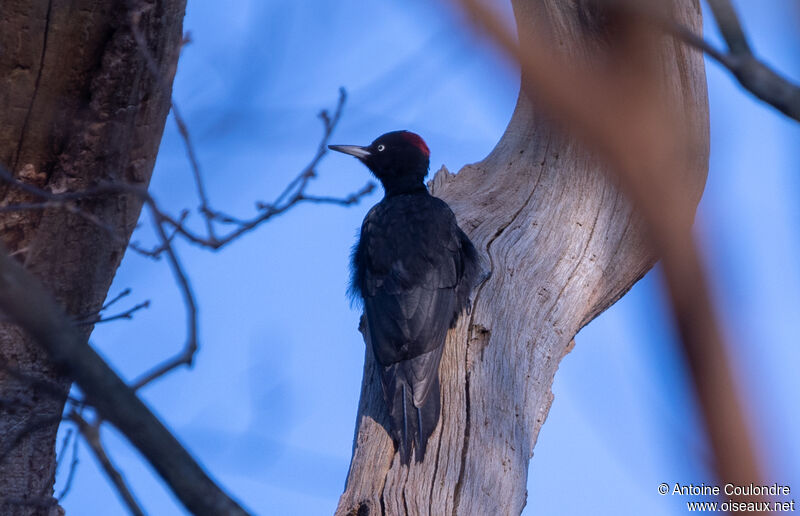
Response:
column 563, row 244
column 78, row 105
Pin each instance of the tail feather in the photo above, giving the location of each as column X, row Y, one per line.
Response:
column 411, row 425
column 405, row 408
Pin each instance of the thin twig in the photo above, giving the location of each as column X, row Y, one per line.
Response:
column 186, row 356
column 159, row 218
column 73, row 467
column 205, row 208
column 344, row 201
column 35, row 310
column 91, row 435
column 155, row 252
column 152, row 66
column 752, row 73
column 127, row 314
column 62, row 450
column 123, row 294
column 66, row 204
column 292, row 195
column 119, row 296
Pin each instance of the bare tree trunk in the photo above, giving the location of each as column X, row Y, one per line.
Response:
column 78, row 105
column 563, row 245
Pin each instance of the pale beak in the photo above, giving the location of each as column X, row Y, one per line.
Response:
column 353, row 150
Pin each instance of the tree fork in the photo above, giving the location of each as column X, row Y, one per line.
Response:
column 563, row 245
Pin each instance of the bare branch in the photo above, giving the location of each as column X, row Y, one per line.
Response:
column 752, row 73
column 127, row 314
column 167, row 228
column 186, row 356
column 343, row 201
column 91, row 434
column 293, row 194
column 205, row 208
column 67, row 204
column 23, row 299
column 729, row 26
column 63, row 450
column 155, row 253
column 73, row 466
column 119, row 296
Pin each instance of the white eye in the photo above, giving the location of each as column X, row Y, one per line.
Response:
column 381, row 147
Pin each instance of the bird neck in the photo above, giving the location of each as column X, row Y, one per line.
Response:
column 403, row 185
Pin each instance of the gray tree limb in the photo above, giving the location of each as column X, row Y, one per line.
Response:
column 752, row 73
column 563, row 243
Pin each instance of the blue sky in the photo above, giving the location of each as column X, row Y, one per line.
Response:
column 270, row 405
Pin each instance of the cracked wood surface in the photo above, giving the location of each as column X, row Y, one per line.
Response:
column 77, row 105
column 563, row 245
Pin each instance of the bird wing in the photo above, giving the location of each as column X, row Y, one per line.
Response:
column 412, row 266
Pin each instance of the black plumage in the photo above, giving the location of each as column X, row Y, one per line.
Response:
column 414, row 269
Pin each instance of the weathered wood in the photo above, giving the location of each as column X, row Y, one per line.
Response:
column 563, row 245
column 77, row 105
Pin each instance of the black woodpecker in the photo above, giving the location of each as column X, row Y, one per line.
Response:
column 414, row 269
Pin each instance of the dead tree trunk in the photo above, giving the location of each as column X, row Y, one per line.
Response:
column 78, row 105
column 563, row 245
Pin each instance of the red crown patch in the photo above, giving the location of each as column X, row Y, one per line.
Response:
column 417, row 141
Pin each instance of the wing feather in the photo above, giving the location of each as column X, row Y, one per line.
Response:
column 414, row 269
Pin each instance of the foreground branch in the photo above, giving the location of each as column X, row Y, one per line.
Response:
column 26, row 302
column 752, row 73
column 91, row 433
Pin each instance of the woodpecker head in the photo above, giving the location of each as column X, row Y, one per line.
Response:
column 400, row 159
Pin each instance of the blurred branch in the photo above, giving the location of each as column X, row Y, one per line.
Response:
column 102, row 189
column 753, row 74
column 73, row 465
column 91, row 433
column 186, row 356
column 729, row 26
column 27, row 303
column 293, row 194
column 102, row 388
column 127, row 314
column 618, row 115
column 96, row 318
column 126, row 292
